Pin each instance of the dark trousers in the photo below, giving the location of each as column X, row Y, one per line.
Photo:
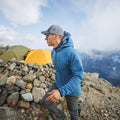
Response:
column 72, row 104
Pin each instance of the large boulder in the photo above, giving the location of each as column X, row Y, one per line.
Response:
column 8, row 113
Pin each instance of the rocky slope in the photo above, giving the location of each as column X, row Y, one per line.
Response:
column 22, row 87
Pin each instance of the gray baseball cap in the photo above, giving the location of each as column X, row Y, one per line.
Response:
column 54, row 29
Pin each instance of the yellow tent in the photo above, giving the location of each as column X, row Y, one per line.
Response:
column 40, row 56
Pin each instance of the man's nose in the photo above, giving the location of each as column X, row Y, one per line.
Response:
column 45, row 38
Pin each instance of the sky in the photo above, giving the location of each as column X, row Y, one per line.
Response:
column 93, row 24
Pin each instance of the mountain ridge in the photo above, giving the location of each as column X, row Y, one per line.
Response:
column 107, row 64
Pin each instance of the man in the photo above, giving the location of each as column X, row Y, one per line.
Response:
column 69, row 73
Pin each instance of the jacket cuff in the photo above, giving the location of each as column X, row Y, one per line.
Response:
column 61, row 92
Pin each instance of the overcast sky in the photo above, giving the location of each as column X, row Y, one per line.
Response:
column 93, row 24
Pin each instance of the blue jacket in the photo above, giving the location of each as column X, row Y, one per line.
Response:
column 68, row 65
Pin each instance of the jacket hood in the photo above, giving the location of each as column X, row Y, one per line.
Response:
column 65, row 42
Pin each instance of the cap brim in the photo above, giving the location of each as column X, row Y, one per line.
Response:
column 44, row 32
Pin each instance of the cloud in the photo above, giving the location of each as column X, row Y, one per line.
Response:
column 10, row 37
column 6, row 34
column 100, row 27
column 94, row 24
column 23, row 12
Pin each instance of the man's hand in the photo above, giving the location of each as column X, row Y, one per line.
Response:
column 54, row 97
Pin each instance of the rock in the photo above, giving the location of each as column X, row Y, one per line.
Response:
column 59, row 106
column 38, row 73
column 11, row 89
column 42, row 117
column 18, row 73
column 1, row 61
column 25, row 91
column 2, row 69
column 31, row 72
column 29, row 78
column 3, row 97
column 118, row 112
column 42, row 78
column 29, row 86
column 36, row 83
column 22, row 110
column 27, row 97
column 8, row 113
column 21, row 84
column 13, row 99
column 98, row 100
column 12, row 60
column 11, row 73
column 36, row 66
column 97, row 88
column 52, row 76
column 42, row 85
column 3, row 80
column 20, row 62
column 90, row 76
column 38, row 93
column 47, row 74
column 11, row 80
column 30, row 64
column 25, row 69
column 23, row 104
column 11, row 66
column 82, row 98
column 48, row 79
column 85, row 88
column 92, row 85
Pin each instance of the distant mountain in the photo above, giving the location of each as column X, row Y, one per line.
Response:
column 107, row 64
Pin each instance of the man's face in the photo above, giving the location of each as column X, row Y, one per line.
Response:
column 50, row 38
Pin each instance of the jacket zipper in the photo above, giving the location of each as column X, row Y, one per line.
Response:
column 57, row 63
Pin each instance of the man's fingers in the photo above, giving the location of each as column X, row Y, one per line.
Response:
column 54, row 100
column 51, row 92
column 54, row 96
column 49, row 98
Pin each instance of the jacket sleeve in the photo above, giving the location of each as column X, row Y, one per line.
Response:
column 75, row 64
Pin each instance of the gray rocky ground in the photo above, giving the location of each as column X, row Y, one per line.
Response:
column 23, row 85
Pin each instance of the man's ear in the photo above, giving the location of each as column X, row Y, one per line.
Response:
column 56, row 36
